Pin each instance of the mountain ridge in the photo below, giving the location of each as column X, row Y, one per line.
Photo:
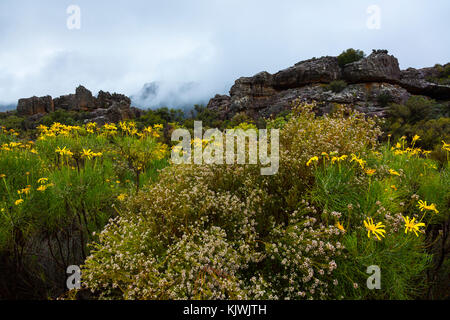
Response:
column 363, row 82
column 367, row 85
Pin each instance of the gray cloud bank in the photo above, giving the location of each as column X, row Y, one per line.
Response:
column 193, row 49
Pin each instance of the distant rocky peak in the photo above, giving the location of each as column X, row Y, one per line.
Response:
column 106, row 107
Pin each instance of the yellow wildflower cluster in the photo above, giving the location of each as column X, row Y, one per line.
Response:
column 410, row 224
column 57, row 129
column 400, row 148
column 335, row 158
column 43, row 184
column 18, row 146
column 358, row 160
column 445, row 146
column 154, row 131
column 25, row 191
column 8, row 132
column 338, row 159
column 89, row 154
column 64, row 152
column 121, row 197
column 128, row 128
column 161, row 151
column 109, row 129
column 91, row 127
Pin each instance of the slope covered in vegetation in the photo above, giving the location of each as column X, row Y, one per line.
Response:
column 340, row 203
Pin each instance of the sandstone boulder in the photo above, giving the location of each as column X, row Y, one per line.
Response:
column 251, row 92
column 105, row 108
column 35, row 105
column 119, row 111
column 316, row 70
column 106, row 99
column 82, row 100
column 416, row 81
column 377, row 67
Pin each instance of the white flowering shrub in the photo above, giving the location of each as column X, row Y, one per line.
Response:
column 226, row 232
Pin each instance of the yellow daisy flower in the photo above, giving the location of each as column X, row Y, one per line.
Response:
column 393, row 172
column 411, row 226
column 375, row 229
column 311, row 160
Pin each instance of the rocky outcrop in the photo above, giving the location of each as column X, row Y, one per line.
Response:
column 321, row 70
column 363, row 97
column 106, row 107
column 82, row 100
column 106, row 99
column 416, row 81
column 377, row 67
column 115, row 113
column 371, row 83
column 35, row 105
column 220, row 104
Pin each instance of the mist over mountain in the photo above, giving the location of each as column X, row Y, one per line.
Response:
column 157, row 94
column 179, row 95
column 7, row 107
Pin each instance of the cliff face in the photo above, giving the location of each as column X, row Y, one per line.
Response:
column 368, row 79
column 106, row 107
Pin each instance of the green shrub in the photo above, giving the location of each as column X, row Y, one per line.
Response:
column 444, row 75
column 225, row 231
column 417, row 108
column 160, row 116
column 337, row 86
column 349, row 56
column 384, row 98
column 13, row 122
column 421, row 116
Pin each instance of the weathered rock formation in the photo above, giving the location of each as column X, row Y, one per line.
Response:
column 378, row 67
column 372, row 81
column 34, row 105
column 106, row 107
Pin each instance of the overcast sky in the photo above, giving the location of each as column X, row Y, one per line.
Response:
column 123, row 44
